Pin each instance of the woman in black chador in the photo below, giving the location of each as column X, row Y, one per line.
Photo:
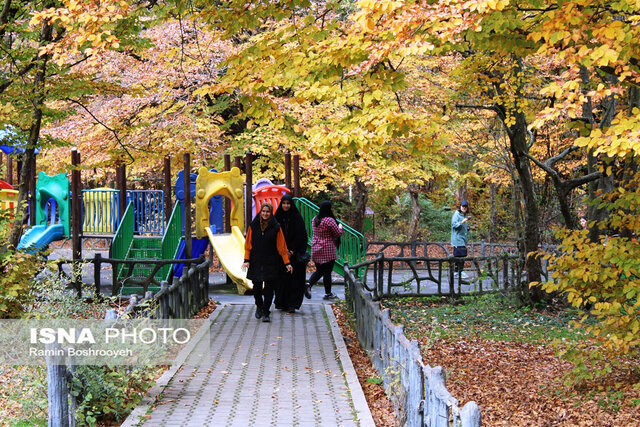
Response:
column 295, row 234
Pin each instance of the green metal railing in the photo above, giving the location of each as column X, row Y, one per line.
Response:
column 171, row 239
column 123, row 238
column 352, row 244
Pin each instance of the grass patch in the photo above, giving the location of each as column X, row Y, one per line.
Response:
column 30, row 423
column 490, row 316
column 23, row 395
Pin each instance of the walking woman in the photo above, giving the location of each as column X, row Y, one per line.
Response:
column 323, row 248
column 265, row 253
column 295, row 234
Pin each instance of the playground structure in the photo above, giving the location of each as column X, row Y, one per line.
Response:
column 8, row 197
column 228, row 247
column 47, row 229
column 141, row 241
column 268, row 194
column 127, row 245
column 99, row 211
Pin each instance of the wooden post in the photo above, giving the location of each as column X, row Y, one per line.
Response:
column 57, row 387
column 237, row 162
column 470, row 415
column 32, row 190
column 9, row 170
column 287, row 170
column 76, row 215
column 296, row 175
column 187, row 205
column 248, row 165
column 167, row 187
column 121, row 178
column 227, row 201
column 97, row 267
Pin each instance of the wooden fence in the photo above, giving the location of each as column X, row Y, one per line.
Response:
column 186, row 296
column 417, row 390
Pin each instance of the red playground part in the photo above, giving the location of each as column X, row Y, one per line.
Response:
column 271, row 194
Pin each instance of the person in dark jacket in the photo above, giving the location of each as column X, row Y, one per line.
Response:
column 323, row 248
column 265, row 253
column 295, row 234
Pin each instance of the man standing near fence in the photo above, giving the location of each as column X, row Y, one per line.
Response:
column 460, row 235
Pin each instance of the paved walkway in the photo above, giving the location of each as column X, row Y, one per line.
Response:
column 294, row 371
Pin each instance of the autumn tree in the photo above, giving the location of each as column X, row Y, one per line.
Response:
column 152, row 110
column 297, row 71
column 597, row 269
column 598, row 92
column 43, row 44
column 510, row 57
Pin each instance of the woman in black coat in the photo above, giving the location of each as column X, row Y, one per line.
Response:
column 295, row 234
column 265, row 253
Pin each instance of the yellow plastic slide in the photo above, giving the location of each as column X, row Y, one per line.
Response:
column 230, row 251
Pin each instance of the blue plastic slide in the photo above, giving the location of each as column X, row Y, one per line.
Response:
column 38, row 237
column 198, row 247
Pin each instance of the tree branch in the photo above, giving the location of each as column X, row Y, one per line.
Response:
column 478, row 107
column 548, row 169
column 4, row 16
column 553, row 160
column 568, row 184
column 8, row 82
column 581, row 180
column 113, row 131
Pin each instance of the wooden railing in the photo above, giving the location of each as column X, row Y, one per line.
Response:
column 416, row 248
column 180, row 300
column 129, row 264
column 186, row 296
column 420, row 276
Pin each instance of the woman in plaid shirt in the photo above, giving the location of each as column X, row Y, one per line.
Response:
column 323, row 249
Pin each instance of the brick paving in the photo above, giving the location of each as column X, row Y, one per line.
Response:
column 284, row 373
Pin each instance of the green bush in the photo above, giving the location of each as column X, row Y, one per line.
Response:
column 105, row 394
column 17, row 269
column 435, row 220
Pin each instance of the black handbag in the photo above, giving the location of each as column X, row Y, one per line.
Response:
column 460, row 251
column 302, row 257
column 337, row 242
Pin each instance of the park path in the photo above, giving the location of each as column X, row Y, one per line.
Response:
column 294, row 371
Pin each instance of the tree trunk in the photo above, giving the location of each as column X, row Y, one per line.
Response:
column 414, row 193
column 518, row 137
column 34, row 135
column 517, row 213
column 606, row 183
column 563, row 199
column 360, row 204
column 630, row 164
column 493, row 214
